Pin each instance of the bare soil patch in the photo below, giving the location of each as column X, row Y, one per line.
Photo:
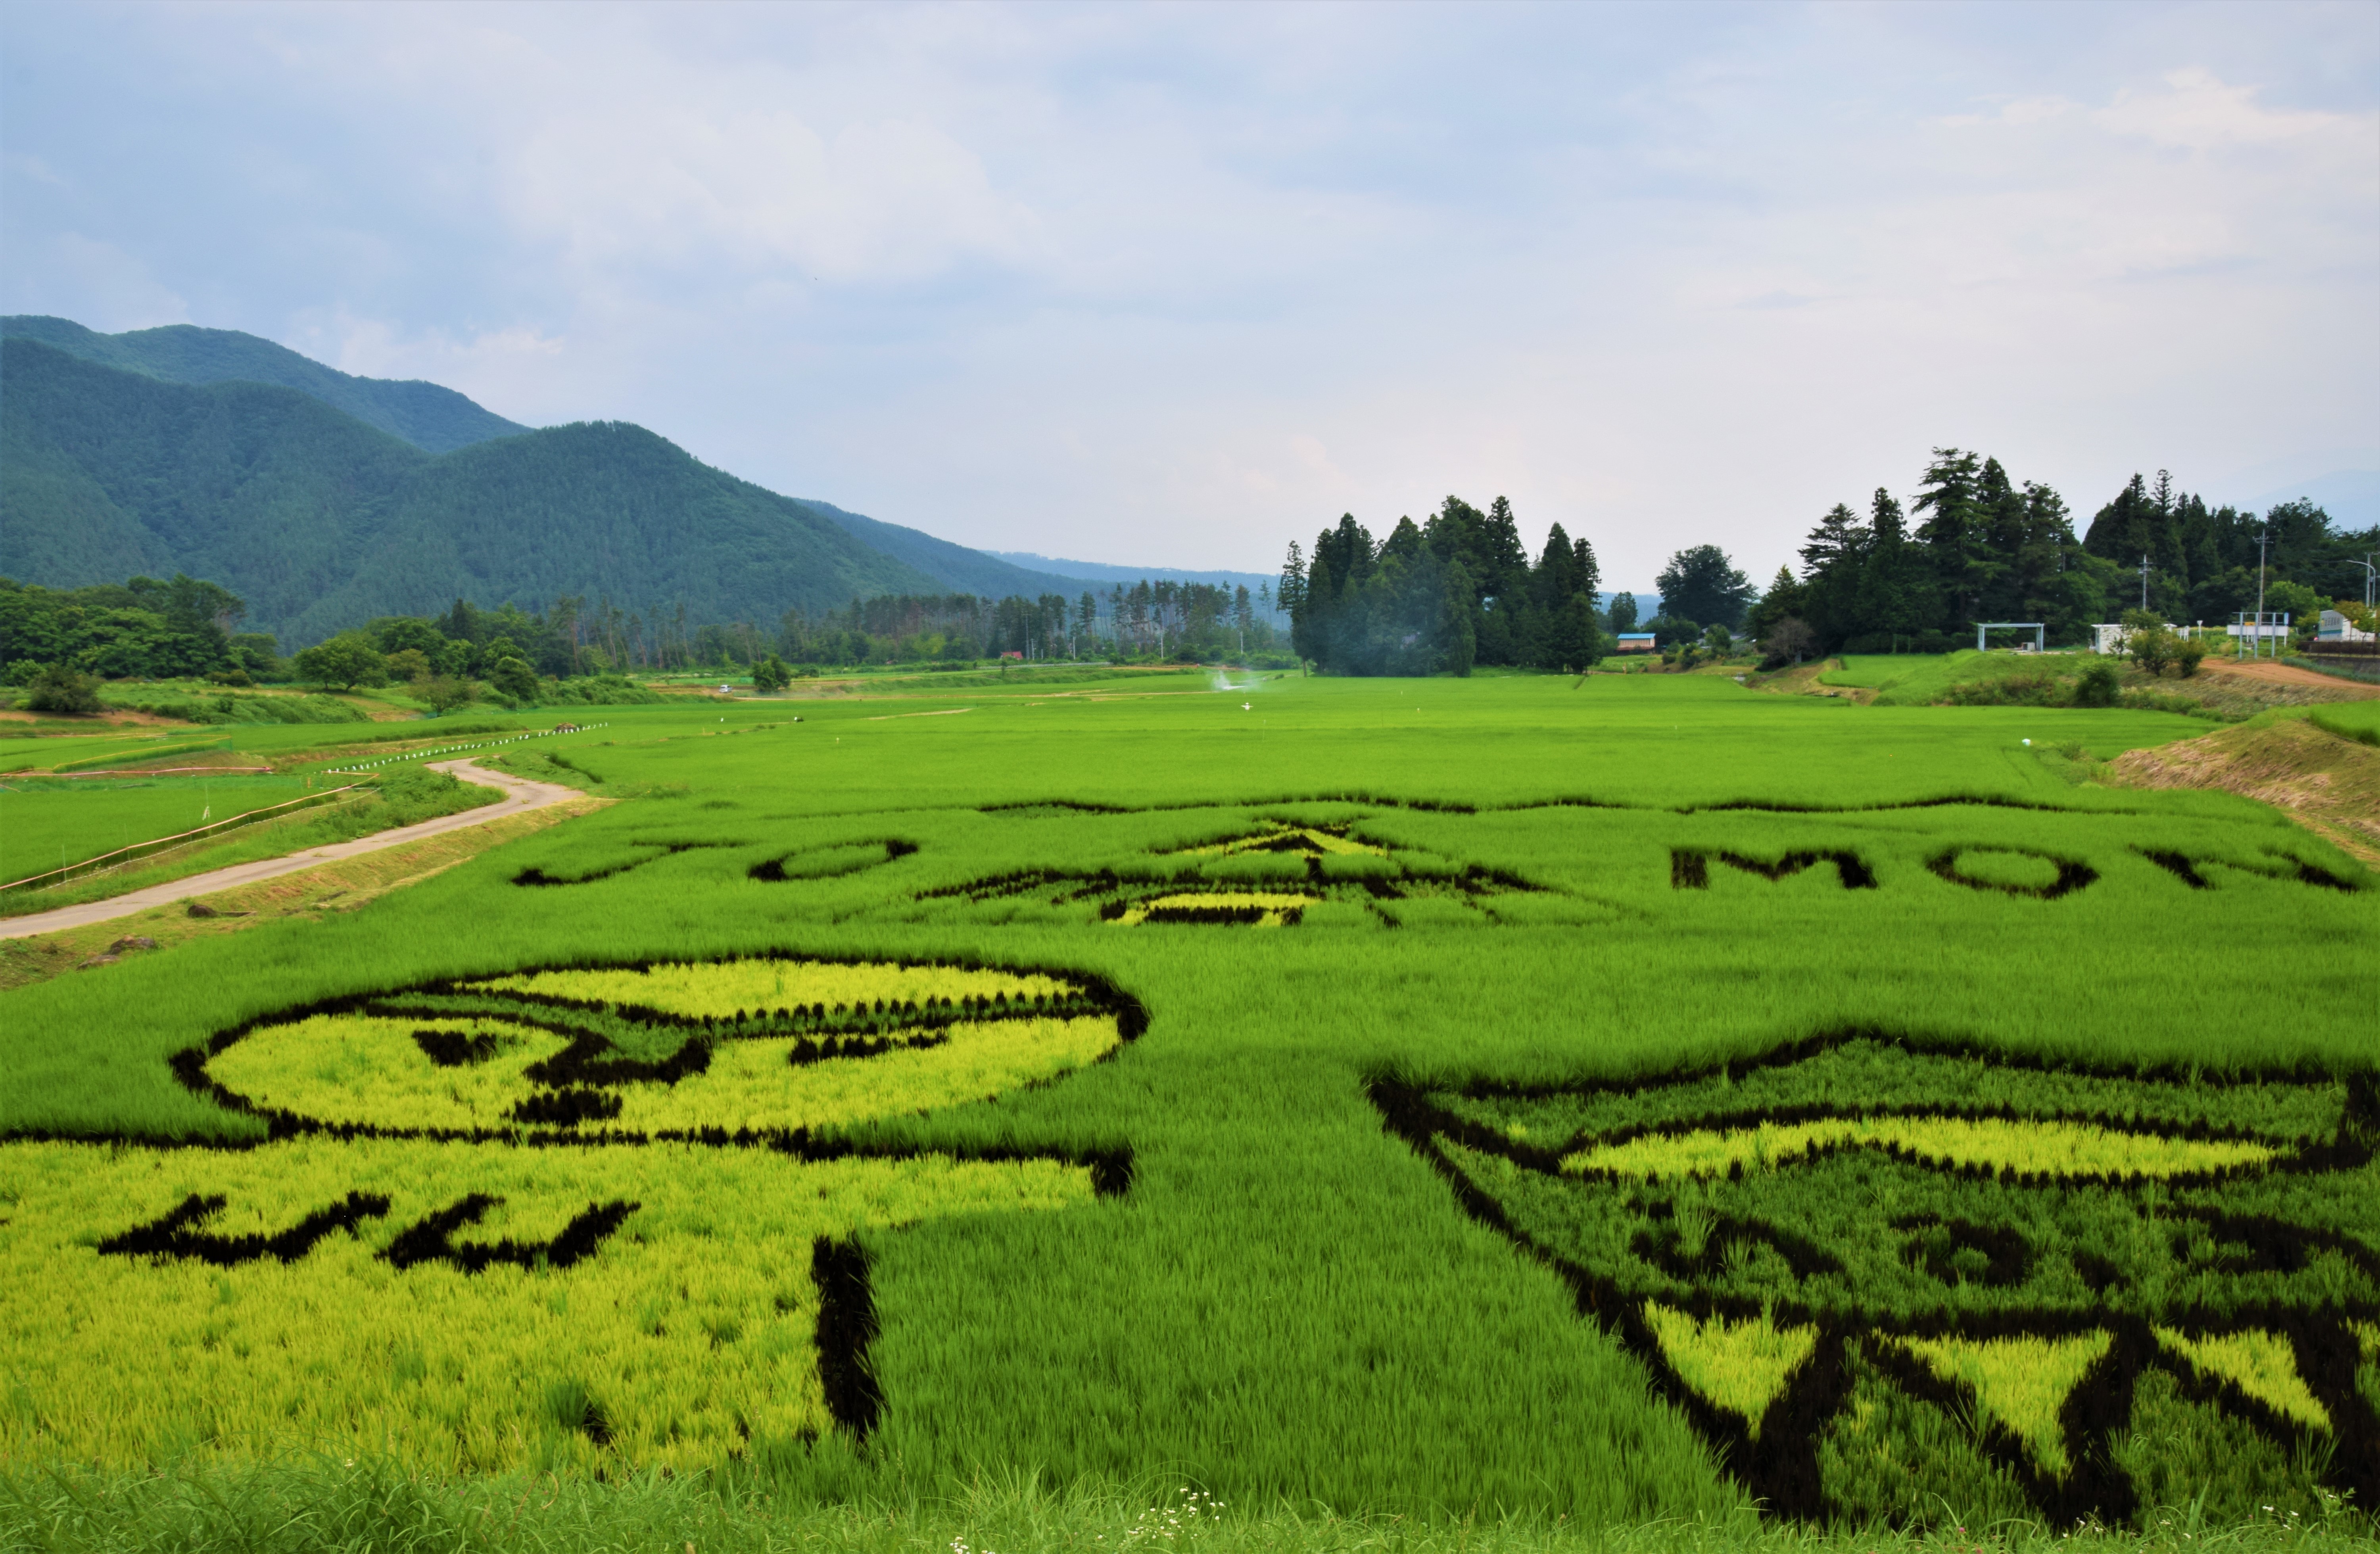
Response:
column 2273, row 674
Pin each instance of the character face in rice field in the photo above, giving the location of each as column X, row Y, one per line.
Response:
column 560, row 1216
column 1872, row 1275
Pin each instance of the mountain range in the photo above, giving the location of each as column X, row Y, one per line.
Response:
column 324, row 499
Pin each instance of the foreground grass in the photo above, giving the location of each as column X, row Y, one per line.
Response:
column 302, row 1506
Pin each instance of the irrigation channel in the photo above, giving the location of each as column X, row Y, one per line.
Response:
column 520, row 796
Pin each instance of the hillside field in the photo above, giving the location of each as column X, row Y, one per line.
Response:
column 1621, row 1101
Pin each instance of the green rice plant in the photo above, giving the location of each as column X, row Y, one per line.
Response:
column 2017, row 1241
column 1293, row 1303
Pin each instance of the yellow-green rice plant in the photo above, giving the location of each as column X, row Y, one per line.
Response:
column 322, row 1290
column 2260, row 1363
column 1263, row 908
column 2022, row 1383
column 2028, row 1147
column 1741, row 1365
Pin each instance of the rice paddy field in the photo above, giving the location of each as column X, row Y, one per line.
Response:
column 1641, row 1102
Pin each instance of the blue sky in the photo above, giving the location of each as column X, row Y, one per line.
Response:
column 1173, row 284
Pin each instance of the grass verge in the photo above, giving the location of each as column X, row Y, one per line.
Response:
column 329, row 1503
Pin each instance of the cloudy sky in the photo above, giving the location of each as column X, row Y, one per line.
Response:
column 1171, row 285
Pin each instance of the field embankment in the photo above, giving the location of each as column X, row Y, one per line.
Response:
column 400, row 808
column 2327, row 780
column 337, row 885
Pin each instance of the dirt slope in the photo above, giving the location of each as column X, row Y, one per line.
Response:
column 2328, row 784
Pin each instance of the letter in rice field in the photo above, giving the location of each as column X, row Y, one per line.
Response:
column 1879, row 1278
column 586, row 1215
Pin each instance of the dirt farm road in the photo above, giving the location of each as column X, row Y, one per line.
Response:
column 2286, row 675
column 520, row 795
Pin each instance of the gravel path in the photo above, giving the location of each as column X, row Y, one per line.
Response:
column 520, row 795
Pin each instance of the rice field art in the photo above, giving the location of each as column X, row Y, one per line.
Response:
column 1648, row 1103
column 532, row 1219
column 1876, row 1275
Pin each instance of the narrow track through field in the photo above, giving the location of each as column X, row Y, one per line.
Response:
column 520, row 796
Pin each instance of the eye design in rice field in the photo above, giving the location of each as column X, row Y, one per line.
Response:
column 1879, row 1278
column 597, row 1215
column 1263, row 877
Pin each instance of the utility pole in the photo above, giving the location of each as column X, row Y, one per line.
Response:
column 2145, row 581
column 2262, row 536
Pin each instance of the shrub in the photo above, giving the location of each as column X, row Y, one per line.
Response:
column 2099, row 684
column 345, row 662
column 1789, row 642
column 2188, row 655
column 513, row 680
column 2151, row 645
column 771, row 674
column 443, row 693
column 57, row 689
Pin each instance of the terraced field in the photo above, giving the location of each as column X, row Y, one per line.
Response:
column 1634, row 1102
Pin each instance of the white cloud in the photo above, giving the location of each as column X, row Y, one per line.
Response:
column 761, row 190
column 2199, row 112
column 1177, row 284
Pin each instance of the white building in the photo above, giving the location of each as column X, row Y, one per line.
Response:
column 2335, row 627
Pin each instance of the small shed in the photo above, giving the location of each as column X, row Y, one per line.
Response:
column 1636, row 642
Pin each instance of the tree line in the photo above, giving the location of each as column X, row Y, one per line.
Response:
column 1973, row 545
column 1166, row 620
column 1442, row 596
column 145, row 629
column 1977, row 546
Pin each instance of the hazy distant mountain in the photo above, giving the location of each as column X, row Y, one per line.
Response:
column 959, row 569
column 428, row 417
column 322, row 522
column 1109, row 573
column 2352, row 497
column 325, row 499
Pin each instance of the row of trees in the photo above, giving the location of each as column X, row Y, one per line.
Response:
column 142, row 627
column 1163, row 620
column 1977, row 546
column 1442, row 596
column 1973, row 545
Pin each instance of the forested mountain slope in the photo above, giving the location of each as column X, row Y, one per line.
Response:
column 322, row 522
column 428, row 417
